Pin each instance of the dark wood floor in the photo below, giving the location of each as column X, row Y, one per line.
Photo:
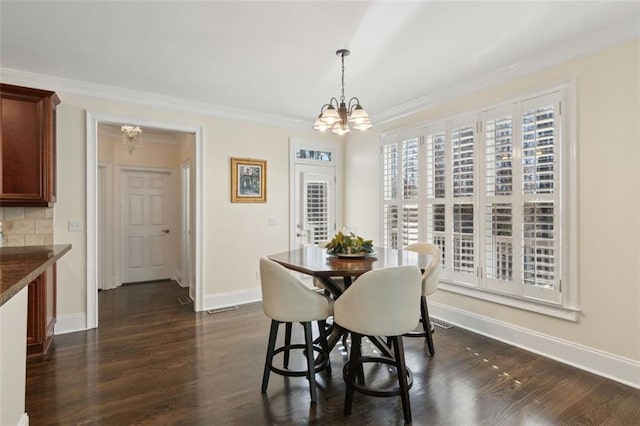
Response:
column 155, row 361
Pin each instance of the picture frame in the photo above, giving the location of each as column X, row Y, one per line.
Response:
column 248, row 180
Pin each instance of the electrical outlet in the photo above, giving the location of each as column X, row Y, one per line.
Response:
column 273, row 220
column 75, row 226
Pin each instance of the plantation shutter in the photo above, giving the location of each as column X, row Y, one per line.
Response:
column 463, row 181
column 436, row 169
column 498, row 199
column 390, row 173
column 401, row 191
column 484, row 188
column 540, row 237
column 317, row 210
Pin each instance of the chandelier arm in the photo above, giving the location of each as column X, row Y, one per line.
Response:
column 323, row 108
column 352, row 106
column 331, row 103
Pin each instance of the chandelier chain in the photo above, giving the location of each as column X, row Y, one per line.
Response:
column 342, row 97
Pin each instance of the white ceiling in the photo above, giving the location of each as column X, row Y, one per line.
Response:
column 277, row 59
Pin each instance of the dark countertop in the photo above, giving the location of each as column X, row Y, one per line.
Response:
column 20, row 265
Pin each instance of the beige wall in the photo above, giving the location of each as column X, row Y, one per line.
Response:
column 234, row 235
column 608, row 153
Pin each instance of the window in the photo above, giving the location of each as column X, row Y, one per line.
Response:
column 486, row 189
column 401, row 181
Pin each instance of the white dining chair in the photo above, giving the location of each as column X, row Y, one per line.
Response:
column 379, row 303
column 287, row 300
column 430, row 278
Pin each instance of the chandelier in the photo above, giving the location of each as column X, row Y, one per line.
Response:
column 131, row 138
column 338, row 115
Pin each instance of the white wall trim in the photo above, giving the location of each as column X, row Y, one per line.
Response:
column 337, row 148
column 620, row 369
column 557, row 311
column 240, row 297
column 101, row 91
column 24, row 420
column 70, row 323
column 91, row 173
column 603, row 38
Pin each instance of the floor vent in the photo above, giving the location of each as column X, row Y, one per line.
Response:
column 223, row 309
column 440, row 323
column 184, row 300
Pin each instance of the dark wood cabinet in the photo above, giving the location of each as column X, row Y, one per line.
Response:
column 27, row 146
column 41, row 312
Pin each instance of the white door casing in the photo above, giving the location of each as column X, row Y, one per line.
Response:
column 146, row 223
column 92, row 252
column 185, row 267
column 315, row 205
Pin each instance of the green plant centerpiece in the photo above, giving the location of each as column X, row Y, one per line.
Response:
column 351, row 244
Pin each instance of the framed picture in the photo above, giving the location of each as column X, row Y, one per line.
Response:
column 248, row 180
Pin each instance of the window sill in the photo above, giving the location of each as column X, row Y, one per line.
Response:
column 556, row 311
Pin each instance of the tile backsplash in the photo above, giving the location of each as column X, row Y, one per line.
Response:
column 26, row 226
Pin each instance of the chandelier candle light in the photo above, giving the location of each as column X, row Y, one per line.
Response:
column 131, row 138
column 337, row 115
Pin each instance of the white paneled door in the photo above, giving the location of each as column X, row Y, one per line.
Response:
column 146, row 230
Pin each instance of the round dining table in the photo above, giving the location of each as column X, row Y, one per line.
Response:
column 325, row 267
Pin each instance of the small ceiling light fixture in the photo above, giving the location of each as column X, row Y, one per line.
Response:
column 338, row 115
column 131, row 138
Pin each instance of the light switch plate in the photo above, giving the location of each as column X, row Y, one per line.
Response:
column 75, row 226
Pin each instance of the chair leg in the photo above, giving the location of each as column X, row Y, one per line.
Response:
column 402, row 377
column 269, row 359
column 324, row 344
column 352, row 372
column 426, row 324
column 287, row 343
column 311, row 369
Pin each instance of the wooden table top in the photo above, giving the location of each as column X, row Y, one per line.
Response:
column 316, row 262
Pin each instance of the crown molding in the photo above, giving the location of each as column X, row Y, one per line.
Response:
column 603, row 38
column 112, row 93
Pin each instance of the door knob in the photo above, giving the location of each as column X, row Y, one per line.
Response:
column 165, row 231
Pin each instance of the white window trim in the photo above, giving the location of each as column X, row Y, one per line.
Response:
column 568, row 307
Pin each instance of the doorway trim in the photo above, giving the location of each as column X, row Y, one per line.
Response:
column 337, row 150
column 92, row 121
column 185, row 218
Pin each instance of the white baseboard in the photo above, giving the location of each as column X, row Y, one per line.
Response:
column 24, row 420
column 222, row 300
column 604, row 364
column 71, row 323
